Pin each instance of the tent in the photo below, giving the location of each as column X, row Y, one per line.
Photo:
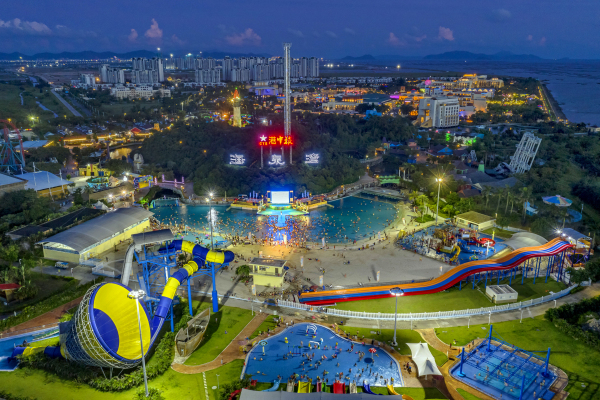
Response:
column 423, row 359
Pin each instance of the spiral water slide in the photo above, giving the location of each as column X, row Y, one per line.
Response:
column 450, row 278
column 104, row 331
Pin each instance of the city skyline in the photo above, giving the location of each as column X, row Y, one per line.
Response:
column 329, row 30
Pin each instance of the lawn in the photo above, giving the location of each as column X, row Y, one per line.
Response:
column 268, row 323
column 453, row 299
column 224, row 326
column 467, row 395
column 579, row 361
column 403, row 336
column 47, row 286
column 499, row 232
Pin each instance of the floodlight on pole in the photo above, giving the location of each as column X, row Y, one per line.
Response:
column 137, row 295
column 437, row 208
column 210, row 221
column 396, row 292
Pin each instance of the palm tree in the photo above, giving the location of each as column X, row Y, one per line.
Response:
column 525, row 194
column 499, row 193
column 487, row 192
column 508, row 196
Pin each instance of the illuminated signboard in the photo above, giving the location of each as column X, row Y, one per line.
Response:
column 312, row 158
column 274, row 140
column 237, row 159
column 276, row 160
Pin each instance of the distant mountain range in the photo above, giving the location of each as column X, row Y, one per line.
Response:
column 467, row 55
column 451, row 55
column 92, row 55
column 366, row 57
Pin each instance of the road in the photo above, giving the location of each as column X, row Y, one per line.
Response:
column 70, row 107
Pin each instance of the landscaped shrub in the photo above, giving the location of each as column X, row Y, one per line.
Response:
column 566, row 317
column 153, row 394
column 9, row 396
column 71, row 292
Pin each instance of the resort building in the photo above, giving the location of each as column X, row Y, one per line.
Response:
column 268, row 271
column 95, row 236
column 438, row 112
column 11, row 184
column 475, row 220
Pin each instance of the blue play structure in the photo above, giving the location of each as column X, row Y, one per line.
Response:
column 283, row 355
column 7, row 362
column 501, row 370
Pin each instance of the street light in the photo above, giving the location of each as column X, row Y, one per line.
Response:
column 437, row 208
column 137, row 295
column 210, row 221
column 396, row 292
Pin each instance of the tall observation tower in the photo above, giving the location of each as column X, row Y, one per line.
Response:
column 287, row 112
column 237, row 116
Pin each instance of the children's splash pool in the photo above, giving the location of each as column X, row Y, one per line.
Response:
column 328, row 360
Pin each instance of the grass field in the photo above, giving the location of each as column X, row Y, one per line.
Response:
column 224, row 326
column 453, row 299
column 268, row 323
column 499, row 232
column 579, row 361
column 47, row 285
column 467, row 395
column 121, row 108
column 20, row 115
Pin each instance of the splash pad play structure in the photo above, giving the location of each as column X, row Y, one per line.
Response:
column 501, row 370
column 526, row 258
column 329, row 350
column 104, row 331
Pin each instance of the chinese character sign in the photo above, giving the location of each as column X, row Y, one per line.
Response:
column 276, row 160
column 312, row 158
column 237, row 159
column 275, row 140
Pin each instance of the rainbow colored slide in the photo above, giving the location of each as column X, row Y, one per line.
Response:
column 104, row 331
column 450, row 278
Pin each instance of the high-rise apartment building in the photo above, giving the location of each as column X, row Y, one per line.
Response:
column 208, row 76
column 111, row 75
column 148, row 71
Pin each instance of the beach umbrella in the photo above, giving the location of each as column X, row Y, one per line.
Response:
column 557, row 200
column 372, row 350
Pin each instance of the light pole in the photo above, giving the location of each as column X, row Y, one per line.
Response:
column 396, row 292
column 137, row 295
column 437, row 208
column 217, row 381
column 210, row 212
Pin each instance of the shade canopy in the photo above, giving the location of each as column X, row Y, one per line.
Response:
column 557, row 200
column 423, row 359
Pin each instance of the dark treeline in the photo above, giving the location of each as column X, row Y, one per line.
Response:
column 200, row 151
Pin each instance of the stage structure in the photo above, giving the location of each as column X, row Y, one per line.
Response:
column 287, row 110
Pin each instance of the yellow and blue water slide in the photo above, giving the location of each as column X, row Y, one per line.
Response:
column 104, row 331
column 448, row 279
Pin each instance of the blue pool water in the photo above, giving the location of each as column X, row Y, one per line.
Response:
column 512, row 367
column 7, row 345
column 351, row 218
column 382, row 365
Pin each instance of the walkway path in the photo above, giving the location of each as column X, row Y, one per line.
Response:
column 231, row 352
column 70, row 107
column 49, row 318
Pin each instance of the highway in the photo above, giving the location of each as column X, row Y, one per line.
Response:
column 70, row 107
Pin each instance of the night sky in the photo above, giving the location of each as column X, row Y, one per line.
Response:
column 323, row 28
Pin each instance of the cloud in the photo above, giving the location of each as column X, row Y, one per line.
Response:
column 296, row 32
column 25, row 27
column 132, row 37
column 446, row 34
column 154, row 32
column 418, row 39
column 316, row 34
column 530, row 37
column 176, row 40
column 248, row 37
column 543, row 41
column 394, row 40
column 331, row 34
column 500, row 15
column 349, row 31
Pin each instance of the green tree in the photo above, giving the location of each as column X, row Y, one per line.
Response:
column 243, row 271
